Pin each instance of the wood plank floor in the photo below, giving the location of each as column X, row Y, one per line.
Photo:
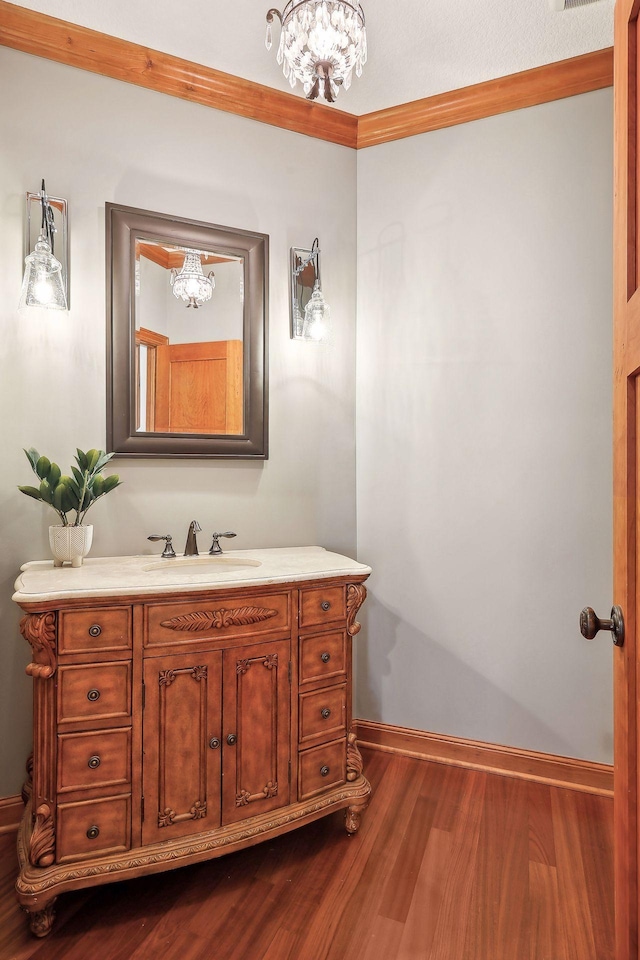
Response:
column 449, row 864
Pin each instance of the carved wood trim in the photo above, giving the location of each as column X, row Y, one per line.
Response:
column 32, row 886
column 244, row 797
column 217, row 619
column 354, row 758
column 42, row 844
column 356, row 595
column 39, row 629
column 41, row 921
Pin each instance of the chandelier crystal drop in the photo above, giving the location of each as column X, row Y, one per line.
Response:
column 191, row 284
column 321, row 43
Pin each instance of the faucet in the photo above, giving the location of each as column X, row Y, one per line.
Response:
column 191, row 546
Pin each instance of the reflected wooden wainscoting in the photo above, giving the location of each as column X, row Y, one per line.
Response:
column 449, row 864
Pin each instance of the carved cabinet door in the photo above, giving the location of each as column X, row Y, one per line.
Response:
column 256, row 729
column 182, row 746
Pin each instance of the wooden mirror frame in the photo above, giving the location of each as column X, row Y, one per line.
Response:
column 125, row 225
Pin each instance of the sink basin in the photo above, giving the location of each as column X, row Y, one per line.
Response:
column 200, row 564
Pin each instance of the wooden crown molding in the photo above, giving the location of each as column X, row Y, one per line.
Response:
column 68, row 43
column 582, row 775
column 53, row 39
column 592, row 71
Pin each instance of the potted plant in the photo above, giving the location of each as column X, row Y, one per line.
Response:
column 71, row 539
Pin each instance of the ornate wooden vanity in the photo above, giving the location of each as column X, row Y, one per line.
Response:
column 183, row 710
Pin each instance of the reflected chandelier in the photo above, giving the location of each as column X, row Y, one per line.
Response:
column 191, row 285
column 321, row 43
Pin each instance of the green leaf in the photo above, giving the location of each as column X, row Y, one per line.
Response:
column 45, row 492
column 53, row 475
column 98, row 486
column 31, row 492
column 104, row 458
column 42, row 467
column 110, row 483
column 73, row 492
column 32, row 456
column 81, row 459
column 79, row 478
column 92, row 459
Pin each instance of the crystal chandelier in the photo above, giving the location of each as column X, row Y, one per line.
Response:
column 321, row 42
column 191, row 284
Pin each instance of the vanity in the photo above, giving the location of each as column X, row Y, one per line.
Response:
column 183, row 708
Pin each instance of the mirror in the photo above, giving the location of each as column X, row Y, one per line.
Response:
column 187, row 316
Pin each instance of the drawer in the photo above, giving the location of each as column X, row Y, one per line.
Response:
column 323, row 657
column 98, row 759
column 322, row 767
column 93, row 828
column 194, row 621
column 94, row 692
column 322, row 605
column 101, row 628
column 323, row 714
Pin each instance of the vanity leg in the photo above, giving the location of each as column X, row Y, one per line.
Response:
column 56, row 562
column 41, row 921
column 353, row 816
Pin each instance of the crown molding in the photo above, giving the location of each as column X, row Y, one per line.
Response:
column 68, row 43
column 554, row 81
column 76, row 46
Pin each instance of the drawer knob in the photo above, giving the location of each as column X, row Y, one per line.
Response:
column 325, row 713
column 93, row 695
column 325, row 657
column 325, row 605
column 214, row 743
column 93, row 832
column 231, row 739
column 94, row 763
column 324, row 771
column 95, row 630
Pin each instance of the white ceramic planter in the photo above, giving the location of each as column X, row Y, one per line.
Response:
column 70, row 544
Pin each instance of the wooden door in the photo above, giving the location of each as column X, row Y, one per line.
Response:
column 626, row 470
column 182, row 722
column 256, row 731
column 198, row 388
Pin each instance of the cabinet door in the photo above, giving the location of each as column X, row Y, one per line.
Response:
column 182, row 748
column 256, row 730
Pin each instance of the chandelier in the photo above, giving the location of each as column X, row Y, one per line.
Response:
column 321, row 42
column 191, row 284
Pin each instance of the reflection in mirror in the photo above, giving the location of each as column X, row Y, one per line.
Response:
column 187, row 314
column 188, row 363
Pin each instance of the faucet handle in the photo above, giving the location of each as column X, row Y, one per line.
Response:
column 215, row 546
column 168, row 546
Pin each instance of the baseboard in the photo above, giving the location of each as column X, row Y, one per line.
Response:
column 583, row 775
column 10, row 813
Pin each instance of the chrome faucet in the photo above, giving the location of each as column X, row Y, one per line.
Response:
column 191, row 546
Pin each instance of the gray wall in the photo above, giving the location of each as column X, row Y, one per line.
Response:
column 103, row 141
column 484, row 434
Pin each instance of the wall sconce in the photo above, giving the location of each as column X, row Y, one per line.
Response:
column 310, row 313
column 191, row 284
column 46, row 279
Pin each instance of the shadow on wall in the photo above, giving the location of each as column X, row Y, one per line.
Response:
column 438, row 683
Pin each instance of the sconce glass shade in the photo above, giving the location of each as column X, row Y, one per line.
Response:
column 191, row 284
column 321, row 43
column 317, row 316
column 42, row 285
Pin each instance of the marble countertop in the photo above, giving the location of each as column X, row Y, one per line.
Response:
column 39, row 581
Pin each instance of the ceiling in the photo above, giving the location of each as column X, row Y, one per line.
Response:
column 417, row 48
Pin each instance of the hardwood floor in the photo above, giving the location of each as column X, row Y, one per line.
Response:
column 449, row 864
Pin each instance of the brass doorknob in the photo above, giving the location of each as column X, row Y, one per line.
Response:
column 590, row 624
